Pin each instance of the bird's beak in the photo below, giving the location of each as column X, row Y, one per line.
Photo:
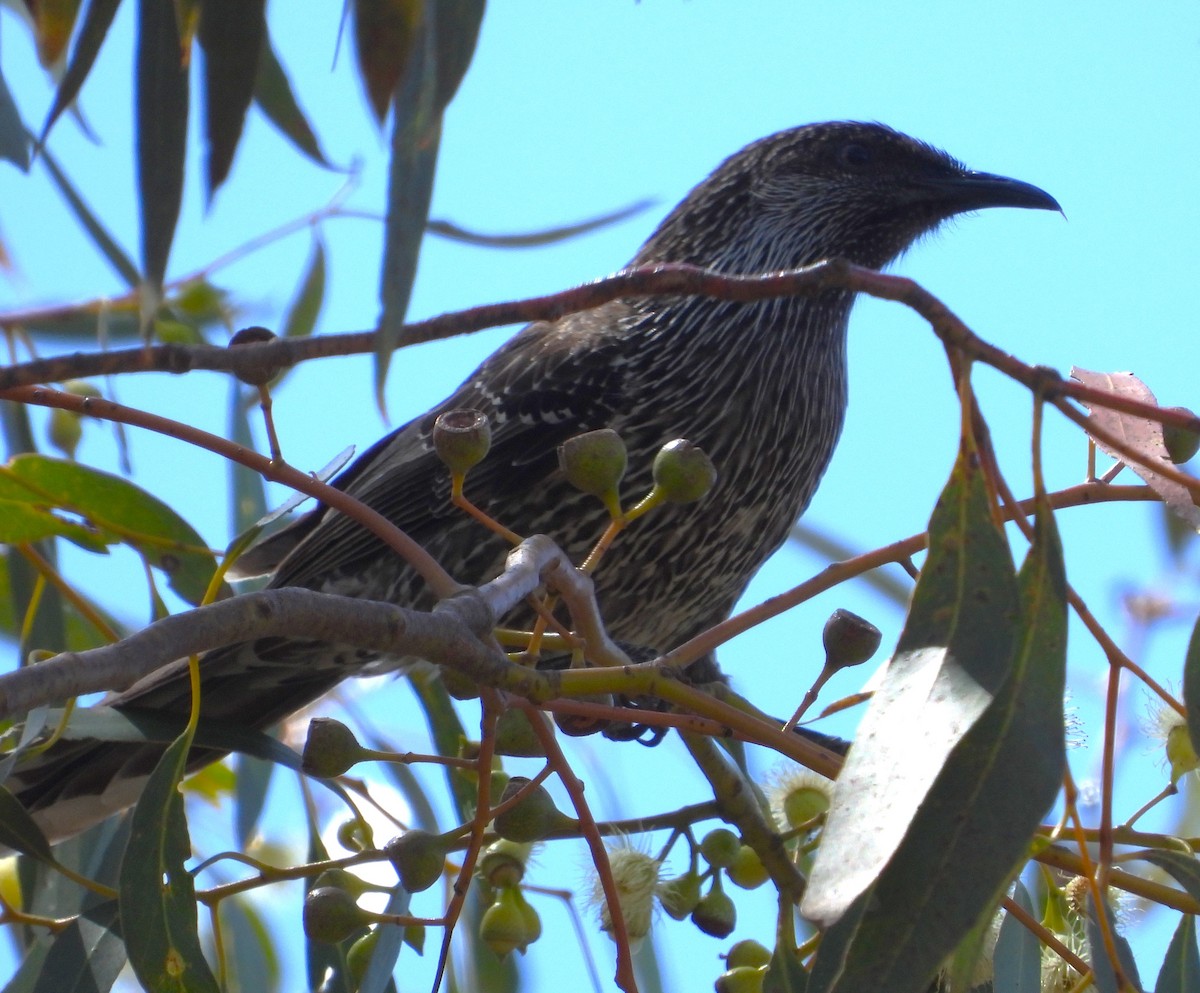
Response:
column 977, row 190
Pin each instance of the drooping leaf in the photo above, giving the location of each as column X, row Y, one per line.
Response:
column 1104, row 976
column 22, row 523
column 273, row 94
column 104, row 241
column 439, row 54
column 384, row 36
column 158, row 894
column 974, row 826
column 84, row 957
column 954, row 653
column 301, row 317
column 250, row 796
column 458, row 24
column 1017, row 960
column 14, row 137
column 249, row 948
column 232, row 34
column 96, row 21
column 1184, row 869
column 535, row 239
column 1180, row 972
column 1191, row 687
column 53, row 21
column 378, row 977
column 47, row 628
column 117, row 506
column 19, row 832
column 162, row 112
column 1141, row 434
column 416, row 135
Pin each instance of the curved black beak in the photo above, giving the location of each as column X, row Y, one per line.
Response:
column 977, row 190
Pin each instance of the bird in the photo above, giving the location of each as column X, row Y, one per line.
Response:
column 761, row 387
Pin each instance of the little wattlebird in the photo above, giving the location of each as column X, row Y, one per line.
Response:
column 760, row 387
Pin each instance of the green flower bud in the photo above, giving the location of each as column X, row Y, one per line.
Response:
column 1181, row 443
column 747, row 870
column 849, row 640
column 594, row 462
column 801, row 805
column 679, row 896
column 533, row 818
column 418, row 857
column 461, row 439
column 683, row 472
column 509, row 923
column 65, row 430
column 355, row 835
column 715, row 914
column 331, row 915
column 1180, row 753
column 516, row 736
column 720, row 847
column 748, row 953
column 356, row 886
column 742, row 979
column 503, row 862
column 330, row 749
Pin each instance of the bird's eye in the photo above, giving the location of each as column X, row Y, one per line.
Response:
column 854, row 156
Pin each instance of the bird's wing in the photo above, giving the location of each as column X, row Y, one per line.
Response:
column 550, row 382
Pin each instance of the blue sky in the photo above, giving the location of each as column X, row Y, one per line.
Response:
column 572, row 110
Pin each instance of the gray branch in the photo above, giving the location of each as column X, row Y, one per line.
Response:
column 456, row 633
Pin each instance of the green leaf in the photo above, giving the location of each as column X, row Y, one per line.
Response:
column 84, row 957
column 416, row 135
column 19, row 832
column 14, row 136
column 954, row 652
column 249, row 948
column 162, row 112
column 232, row 34
column 1104, row 977
column 157, row 893
column 91, row 224
column 48, row 629
column 1184, row 869
column 384, row 35
column 1180, row 972
column 973, row 829
column 248, row 491
column 1191, row 687
column 21, row 523
column 53, row 21
column 457, row 33
column 96, row 22
column 378, row 977
column 310, row 294
column 1018, row 957
column 117, row 506
column 87, row 955
column 274, row 96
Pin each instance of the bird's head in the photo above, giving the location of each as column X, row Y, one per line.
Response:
column 844, row 189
